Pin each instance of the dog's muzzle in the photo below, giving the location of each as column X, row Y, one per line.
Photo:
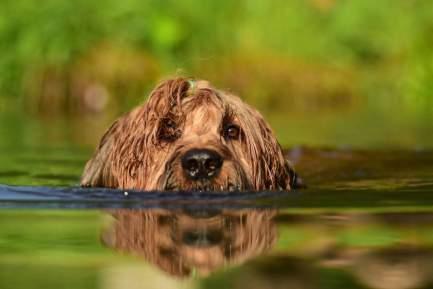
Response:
column 201, row 164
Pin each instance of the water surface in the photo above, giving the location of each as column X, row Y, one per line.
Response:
column 365, row 221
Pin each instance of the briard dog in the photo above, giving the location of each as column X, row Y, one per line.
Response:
column 190, row 136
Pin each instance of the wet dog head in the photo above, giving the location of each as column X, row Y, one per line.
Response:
column 190, row 136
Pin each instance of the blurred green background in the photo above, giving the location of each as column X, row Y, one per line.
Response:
column 323, row 72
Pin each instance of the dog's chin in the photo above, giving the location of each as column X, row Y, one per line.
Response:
column 201, row 186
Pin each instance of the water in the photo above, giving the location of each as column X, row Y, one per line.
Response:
column 365, row 221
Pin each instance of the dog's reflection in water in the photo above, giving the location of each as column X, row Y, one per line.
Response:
column 180, row 242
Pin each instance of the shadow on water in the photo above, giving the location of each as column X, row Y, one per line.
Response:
column 365, row 221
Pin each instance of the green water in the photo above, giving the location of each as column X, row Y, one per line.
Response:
column 365, row 220
column 231, row 249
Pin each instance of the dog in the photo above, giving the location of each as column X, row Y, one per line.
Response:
column 190, row 136
column 179, row 242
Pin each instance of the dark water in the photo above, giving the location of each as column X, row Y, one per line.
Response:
column 365, row 221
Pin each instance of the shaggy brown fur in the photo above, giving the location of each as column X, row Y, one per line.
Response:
column 178, row 242
column 142, row 150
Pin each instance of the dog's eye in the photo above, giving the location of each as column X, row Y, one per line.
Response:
column 169, row 123
column 232, row 131
column 168, row 130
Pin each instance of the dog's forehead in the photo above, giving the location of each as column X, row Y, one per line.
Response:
column 204, row 117
column 202, row 96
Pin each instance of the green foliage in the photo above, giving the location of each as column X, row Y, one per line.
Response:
column 179, row 32
column 284, row 57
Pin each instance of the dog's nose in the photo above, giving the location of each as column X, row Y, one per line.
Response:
column 201, row 163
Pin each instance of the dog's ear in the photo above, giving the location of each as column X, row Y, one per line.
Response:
column 167, row 95
column 284, row 176
column 272, row 171
column 125, row 155
column 98, row 171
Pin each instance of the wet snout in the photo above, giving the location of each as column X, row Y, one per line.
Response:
column 201, row 164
